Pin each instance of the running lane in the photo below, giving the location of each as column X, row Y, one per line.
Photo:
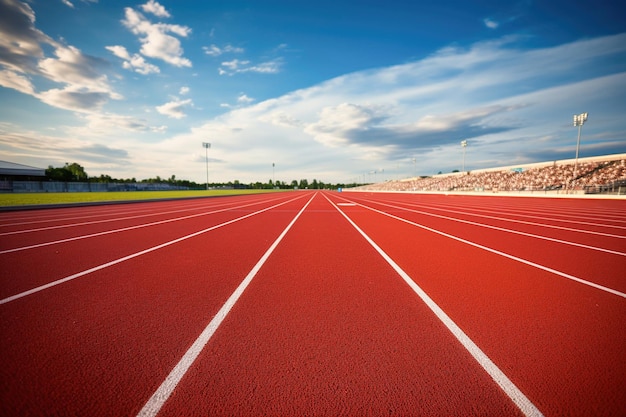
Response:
column 28, row 265
column 99, row 344
column 594, row 257
column 327, row 327
column 560, row 341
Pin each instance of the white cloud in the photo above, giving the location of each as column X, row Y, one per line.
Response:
column 490, row 23
column 511, row 102
column 104, row 122
column 281, row 119
column 336, row 123
column 75, row 98
column 269, row 67
column 83, row 84
column 139, row 64
column 155, row 40
column 244, row 99
column 135, row 62
column 68, row 3
column 502, row 98
column 237, row 66
column 155, row 8
column 86, row 88
column 71, row 66
column 21, row 83
column 119, row 51
column 46, row 149
column 20, row 40
column 214, row 50
column 174, row 109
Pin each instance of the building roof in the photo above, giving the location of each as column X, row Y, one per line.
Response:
column 13, row 169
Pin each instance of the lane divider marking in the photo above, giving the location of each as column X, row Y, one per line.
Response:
column 134, row 255
column 124, row 229
column 145, row 211
column 509, row 388
column 550, row 226
column 541, row 214
column 161, row 395
column 506, row 255
column 502, row 229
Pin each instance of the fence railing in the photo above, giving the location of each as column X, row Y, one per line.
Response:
column 8, row 186
column 618, row 187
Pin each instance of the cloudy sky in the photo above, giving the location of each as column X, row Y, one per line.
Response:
column 336, row 90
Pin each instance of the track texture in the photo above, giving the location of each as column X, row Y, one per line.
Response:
column 315, row 303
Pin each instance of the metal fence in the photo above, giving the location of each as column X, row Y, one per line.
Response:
column 8, row 186
column 617, row 187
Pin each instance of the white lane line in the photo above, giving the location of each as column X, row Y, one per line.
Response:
column 541, row 214
column 509, row 388
column 134, row 255
column 124, row 229
column 466, row 213
column 160, row 396
column 502, row 229
column 506, row 255
column 116, row 219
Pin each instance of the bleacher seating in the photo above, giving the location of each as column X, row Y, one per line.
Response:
column 544, row 178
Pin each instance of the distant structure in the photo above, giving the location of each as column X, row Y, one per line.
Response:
column 10, row 171
column 601, row 174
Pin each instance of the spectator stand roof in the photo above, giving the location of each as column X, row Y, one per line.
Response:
column 9, row 170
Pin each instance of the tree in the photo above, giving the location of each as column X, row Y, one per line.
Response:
column 78, row 172
column 69, row 172
column 104, row 178
column 58, row 174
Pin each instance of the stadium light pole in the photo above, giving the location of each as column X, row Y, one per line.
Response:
column 273, row 175
column 464, row 145
column 206, row 146
column 579, row 121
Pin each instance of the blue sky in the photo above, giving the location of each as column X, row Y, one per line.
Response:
column 331, row 90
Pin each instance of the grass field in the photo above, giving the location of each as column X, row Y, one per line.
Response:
column 27, row 199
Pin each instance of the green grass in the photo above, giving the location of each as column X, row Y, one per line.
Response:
column 27, row 199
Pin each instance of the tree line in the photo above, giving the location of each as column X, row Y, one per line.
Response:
column 76, row 173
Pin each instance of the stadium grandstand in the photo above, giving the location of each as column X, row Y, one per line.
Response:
column 606, row 174
column 10, row 171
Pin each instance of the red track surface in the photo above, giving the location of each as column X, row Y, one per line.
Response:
column 316, row 304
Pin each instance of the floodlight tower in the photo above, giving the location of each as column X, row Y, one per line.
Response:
column 464, row 145
column 206, row 146
column 579, row 121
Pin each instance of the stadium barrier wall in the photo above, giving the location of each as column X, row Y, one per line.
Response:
column 73, row 187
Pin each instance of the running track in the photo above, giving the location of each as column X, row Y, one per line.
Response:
column 315, row 303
